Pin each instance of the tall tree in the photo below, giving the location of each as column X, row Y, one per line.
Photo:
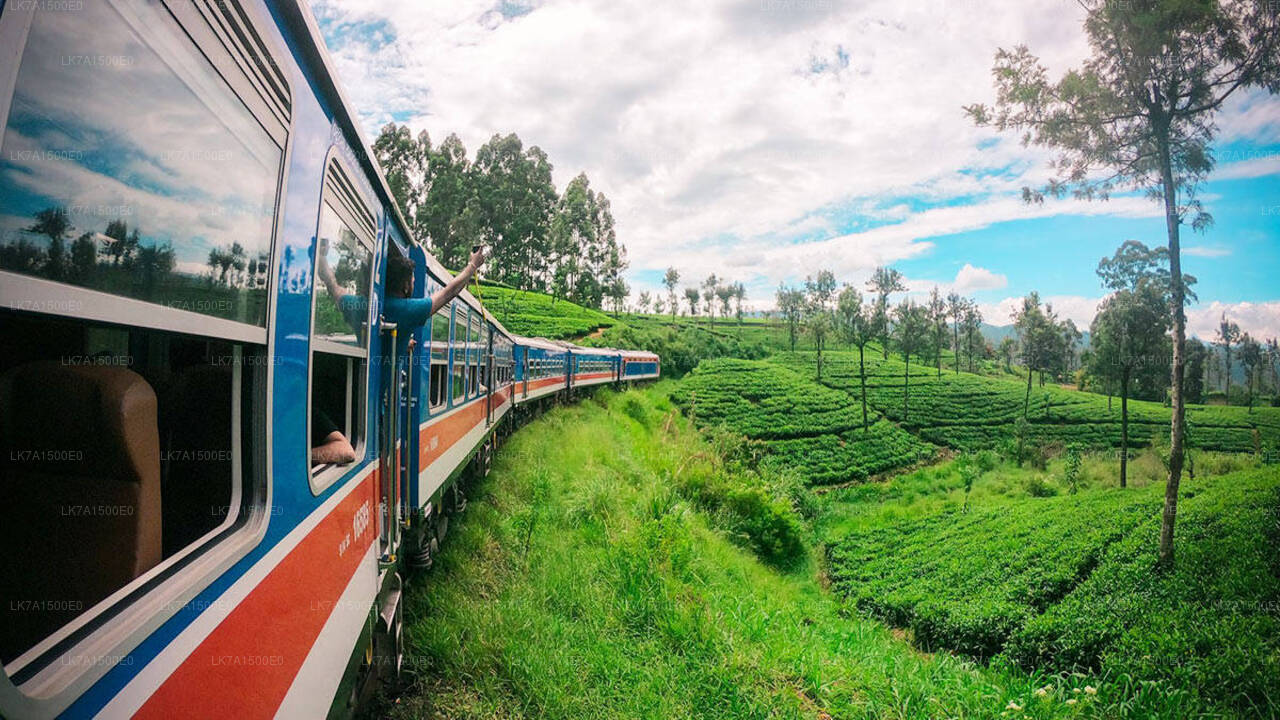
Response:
column 643, row 301
column 820, row 292
column 955, row 307
column 516, row 203
column 669, row 280
column 1250, row 359
column 404, row 161
column 1008, row 347
column 691, row 296
column 709, row 297
column 910, row 335
column 855, row 325
column 1228, row 336
column 1193, row 387
column 739, row 294
column 54, row 224
column 1127, row 334
column 938, row 325
column 450, row 215
column 1140, row 113
column 1035, row 331
column 883, row 282
column 724, row 293
column 974, row 343
column 791, row 306
column 1274, row 361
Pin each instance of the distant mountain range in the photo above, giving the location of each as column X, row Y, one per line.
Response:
column 995, row 334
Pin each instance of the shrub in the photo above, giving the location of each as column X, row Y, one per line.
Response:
column 1037, row 486
column 636, row 409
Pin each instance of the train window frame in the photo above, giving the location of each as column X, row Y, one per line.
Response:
column 341, row 195
column 457, row 357
column 36, row 683
column 438, row 371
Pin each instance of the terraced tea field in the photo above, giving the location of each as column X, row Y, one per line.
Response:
column 812, row 429
column 970, row 412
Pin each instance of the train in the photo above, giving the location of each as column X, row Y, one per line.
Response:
column 174, row 176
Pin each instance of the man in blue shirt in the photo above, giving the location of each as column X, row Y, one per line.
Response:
column 408, row 313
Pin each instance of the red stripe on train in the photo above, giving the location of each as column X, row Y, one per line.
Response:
column 437, row 437
column 244, row 668
column 594, row 376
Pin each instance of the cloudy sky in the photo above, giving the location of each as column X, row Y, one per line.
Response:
column 764, row 139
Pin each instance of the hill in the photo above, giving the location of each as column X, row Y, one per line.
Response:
column 534, row 314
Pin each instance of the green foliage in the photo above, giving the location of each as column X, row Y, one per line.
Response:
column 681, row 346
column 1072, row 472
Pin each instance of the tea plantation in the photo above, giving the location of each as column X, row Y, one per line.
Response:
column 970, row 412
column 808, row 428
column 1067, row 584
column 537, row 315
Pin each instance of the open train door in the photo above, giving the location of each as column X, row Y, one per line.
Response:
column 395, row 387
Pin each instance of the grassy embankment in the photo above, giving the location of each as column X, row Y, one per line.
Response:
column 605, row 569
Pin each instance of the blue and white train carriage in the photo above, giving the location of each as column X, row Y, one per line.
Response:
column 173, row 175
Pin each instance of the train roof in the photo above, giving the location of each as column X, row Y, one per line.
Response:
column 298, row 15
column 538, row 342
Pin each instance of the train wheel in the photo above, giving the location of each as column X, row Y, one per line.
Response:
column 388, row 639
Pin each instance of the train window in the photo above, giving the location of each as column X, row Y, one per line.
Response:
column 340, row 321
column 134, row 446
column 176, row 211
column 438, row 380
column 459, row 340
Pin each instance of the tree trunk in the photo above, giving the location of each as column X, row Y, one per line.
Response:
column 1026, row 402
column 955, row 343
column 906, row 387
column 1124, row 426
column 1178, row 419
column 1227, row 361
column 862, row 374
column 818, row 344
column 1250, row 376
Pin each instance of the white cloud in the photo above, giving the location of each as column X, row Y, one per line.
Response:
column 720, row 147
column 1206, row 251
column 1076, row 308
column 1261, row 320
column 972, row 279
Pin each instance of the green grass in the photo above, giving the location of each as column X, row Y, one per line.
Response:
column 585, row 582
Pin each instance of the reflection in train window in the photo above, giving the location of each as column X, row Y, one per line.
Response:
column 343, row 267
column 176, row 210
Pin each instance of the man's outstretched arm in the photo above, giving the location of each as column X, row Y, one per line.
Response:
column 459, row 281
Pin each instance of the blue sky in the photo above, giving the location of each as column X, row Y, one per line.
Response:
column 764, row 141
